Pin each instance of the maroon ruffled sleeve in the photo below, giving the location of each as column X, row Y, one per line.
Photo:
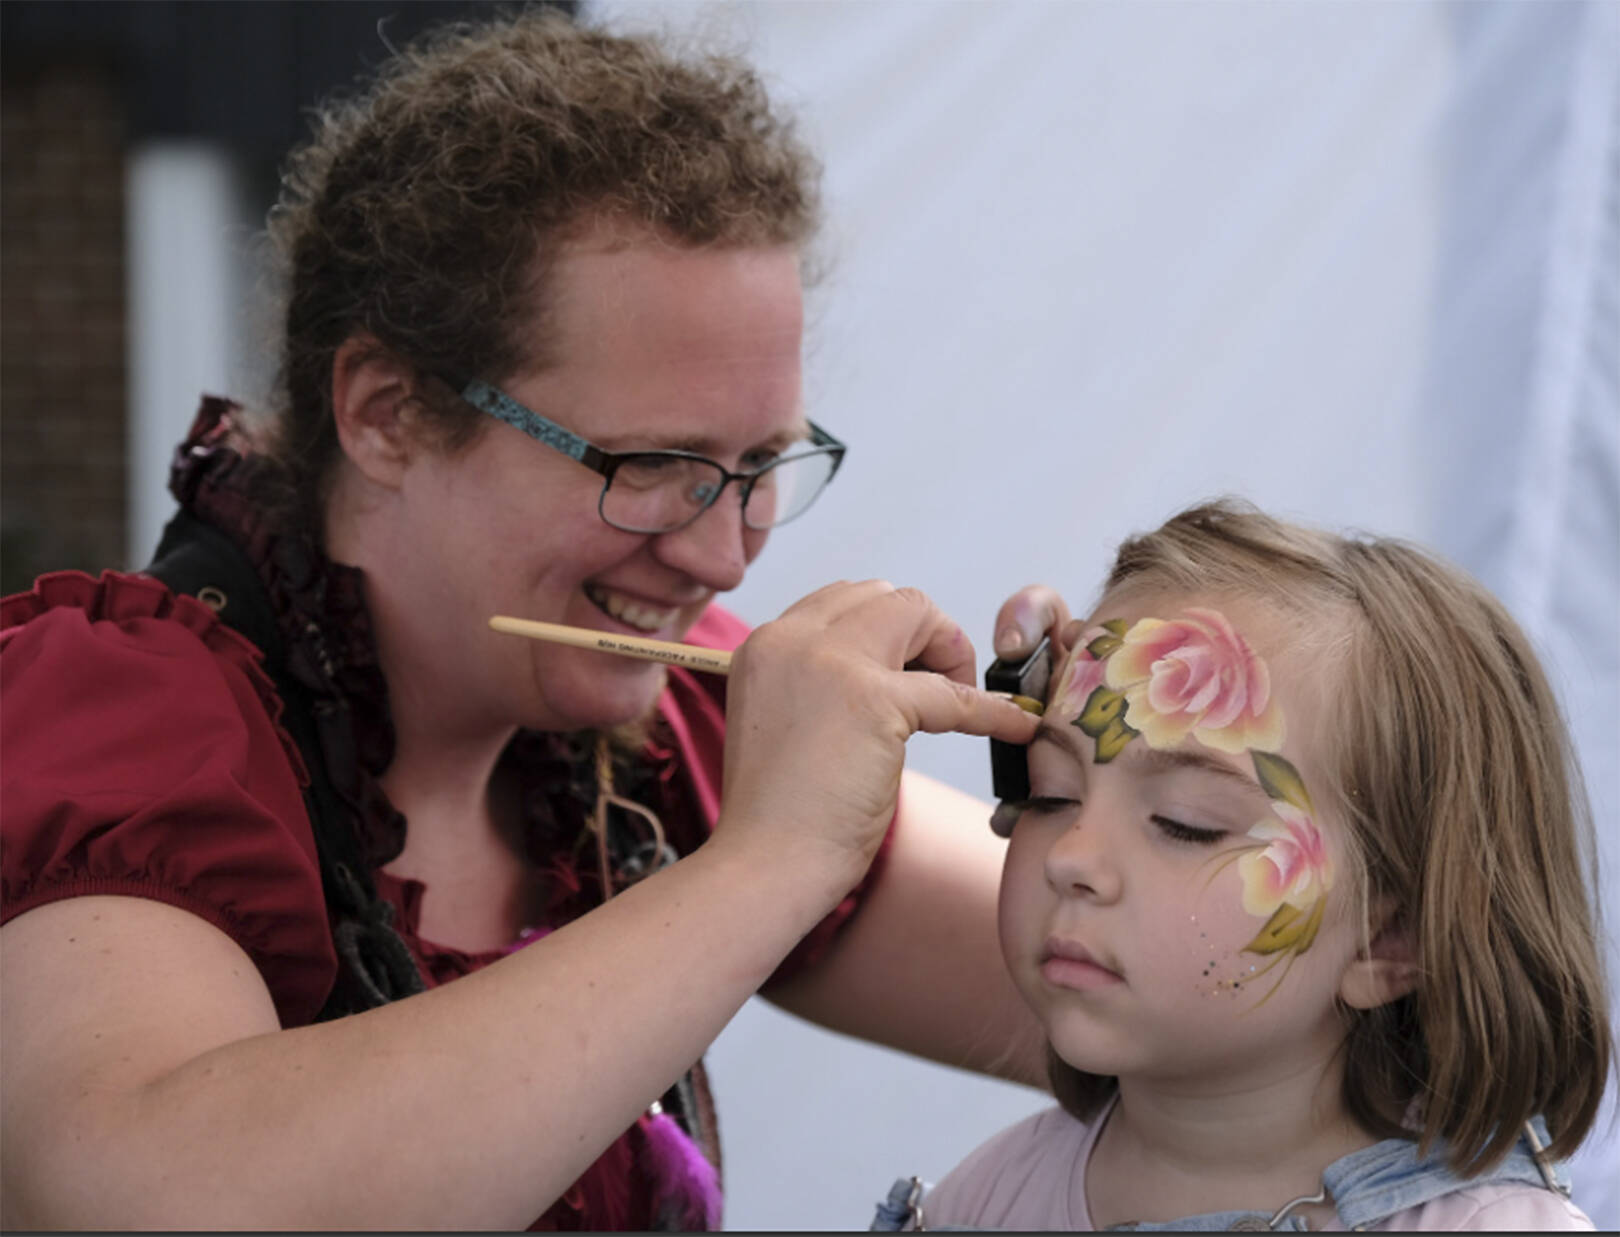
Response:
column 143, row 757
column 694, row 707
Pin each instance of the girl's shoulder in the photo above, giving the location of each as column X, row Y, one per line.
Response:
column 1017, row 1179
column 1492, row 1207
column 1393, row 1186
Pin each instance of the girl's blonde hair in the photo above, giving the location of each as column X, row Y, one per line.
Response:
column 1465, row 808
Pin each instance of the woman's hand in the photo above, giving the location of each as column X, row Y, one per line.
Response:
column 819, row 708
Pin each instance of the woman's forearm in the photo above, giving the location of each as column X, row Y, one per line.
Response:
column 472, row 1105
column 920, row 968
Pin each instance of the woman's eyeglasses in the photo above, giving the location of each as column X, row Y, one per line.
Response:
column 661, row 491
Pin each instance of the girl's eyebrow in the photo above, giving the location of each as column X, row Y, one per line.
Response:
column 1169, row 760
column 1151, row 761
column 1063, row 734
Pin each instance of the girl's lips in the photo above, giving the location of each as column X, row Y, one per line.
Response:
column 1066, row 964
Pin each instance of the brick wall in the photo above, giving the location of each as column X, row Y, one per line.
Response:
column 62, row 365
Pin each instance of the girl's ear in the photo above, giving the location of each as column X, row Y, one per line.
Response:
column 1382, row 972
column 373, row 392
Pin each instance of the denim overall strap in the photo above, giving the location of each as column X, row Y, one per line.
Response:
column 1366, row 1186
column 1372, row 1184
column 1283, row 1220
column 904, row 1207
column 900, row 1208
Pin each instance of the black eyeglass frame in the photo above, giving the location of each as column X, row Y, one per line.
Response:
column 498, row 404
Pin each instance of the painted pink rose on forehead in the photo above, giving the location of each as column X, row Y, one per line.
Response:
column 1082, row 676
column 1195, row 675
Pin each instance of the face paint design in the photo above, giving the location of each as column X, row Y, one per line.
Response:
column 1166, row 681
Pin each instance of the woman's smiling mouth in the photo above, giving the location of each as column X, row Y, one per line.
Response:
column 629, row 611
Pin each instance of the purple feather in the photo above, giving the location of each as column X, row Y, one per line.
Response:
column 687, row 1190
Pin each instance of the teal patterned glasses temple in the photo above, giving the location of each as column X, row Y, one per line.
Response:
column 661, row 491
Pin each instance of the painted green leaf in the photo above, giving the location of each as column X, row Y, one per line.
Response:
column 1103, row 706
column 1309, row 934
column 1103, row 718
column 1278, row 933
column 1288, row 929
column 1281, row 780
column 1111, row 742
column 1104, row 647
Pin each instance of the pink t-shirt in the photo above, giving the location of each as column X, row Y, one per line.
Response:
column 1031, row 1177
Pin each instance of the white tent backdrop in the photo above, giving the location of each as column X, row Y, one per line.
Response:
column 1090, row 262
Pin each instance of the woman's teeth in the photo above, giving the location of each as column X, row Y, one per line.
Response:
column 632, row 613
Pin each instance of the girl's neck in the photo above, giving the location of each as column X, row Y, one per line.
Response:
column 1167, row 1152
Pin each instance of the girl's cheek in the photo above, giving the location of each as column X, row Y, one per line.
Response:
column 1213, row 930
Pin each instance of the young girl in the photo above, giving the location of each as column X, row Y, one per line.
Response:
column 1298, row 898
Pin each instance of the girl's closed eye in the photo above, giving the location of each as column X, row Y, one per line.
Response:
column 1047, row 804
column 1180, row 831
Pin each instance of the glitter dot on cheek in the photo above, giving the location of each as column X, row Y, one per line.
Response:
column 1208, row 983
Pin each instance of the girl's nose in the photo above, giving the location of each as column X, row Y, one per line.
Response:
column 1082, row 863
column 714, row 549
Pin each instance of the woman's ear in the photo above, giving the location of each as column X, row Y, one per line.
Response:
column 373, row 392
column 1383, row 971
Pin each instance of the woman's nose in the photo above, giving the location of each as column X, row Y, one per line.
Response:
column 1082, row 863
column 714, row 549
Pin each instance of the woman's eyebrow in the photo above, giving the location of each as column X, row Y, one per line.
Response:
column 698, row 444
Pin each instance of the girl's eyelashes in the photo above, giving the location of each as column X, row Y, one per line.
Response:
column 1045, row 804
column 1180, row 832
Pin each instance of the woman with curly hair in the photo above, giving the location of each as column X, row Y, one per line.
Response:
column 328, row 906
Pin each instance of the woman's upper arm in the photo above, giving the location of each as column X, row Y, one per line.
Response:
column 143, row 758
column 104, row 996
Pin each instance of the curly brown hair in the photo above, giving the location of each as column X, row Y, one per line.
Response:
column 424, row 209
column 1466, row 813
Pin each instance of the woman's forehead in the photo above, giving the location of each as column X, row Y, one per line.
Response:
column 648, row 345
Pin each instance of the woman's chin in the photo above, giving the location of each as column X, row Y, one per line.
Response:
column 599, row 701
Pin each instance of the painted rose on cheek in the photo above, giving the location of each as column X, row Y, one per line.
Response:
column 1195, row 676
column 1287, row 872
column 1293, row 868
column 1287, row 881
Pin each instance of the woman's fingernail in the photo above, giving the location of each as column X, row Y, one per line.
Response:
column 1009, row 640
column 1027, row 703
